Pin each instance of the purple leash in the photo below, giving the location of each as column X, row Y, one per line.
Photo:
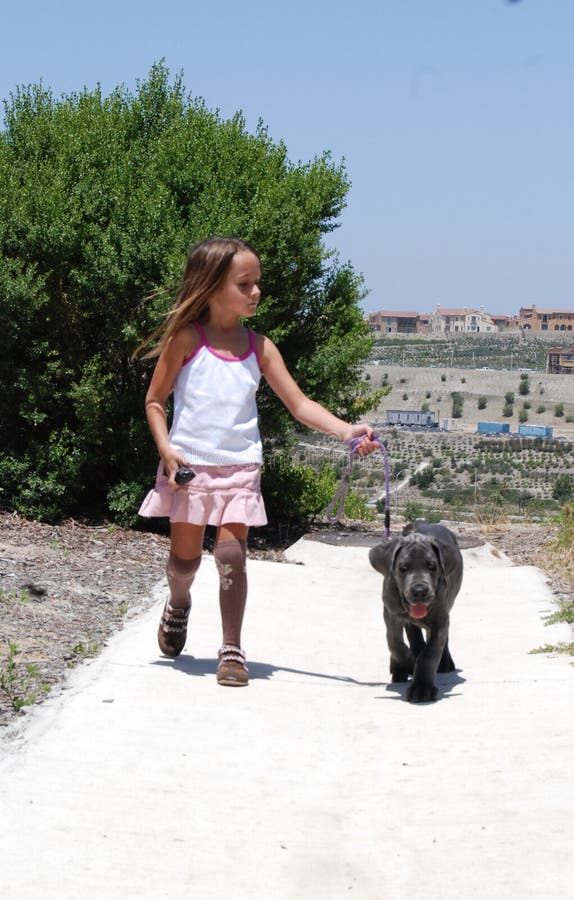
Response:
column 335, row 509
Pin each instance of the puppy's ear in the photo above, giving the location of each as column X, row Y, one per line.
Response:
column 439, row 555
column 382, row 557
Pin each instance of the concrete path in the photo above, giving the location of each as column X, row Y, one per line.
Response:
column 145, row 779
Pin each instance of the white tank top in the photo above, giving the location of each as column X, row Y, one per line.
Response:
column 214, row 409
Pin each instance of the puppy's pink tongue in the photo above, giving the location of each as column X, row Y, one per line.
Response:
column 418, row 610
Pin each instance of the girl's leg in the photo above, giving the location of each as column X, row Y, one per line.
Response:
column 182, row 565
column 230, row 554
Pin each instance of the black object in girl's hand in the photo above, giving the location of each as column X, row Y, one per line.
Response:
column 183, row 475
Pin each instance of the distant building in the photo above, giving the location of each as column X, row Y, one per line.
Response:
column 424, row 323
column 410, row 417
column 393, row 322
column 460, row 321
column 534, row 319
column 501, row 322
column 560, row 361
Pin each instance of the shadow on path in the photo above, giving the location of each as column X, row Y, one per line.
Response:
column 189, row 665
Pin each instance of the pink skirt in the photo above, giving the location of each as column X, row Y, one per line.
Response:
column 216, row 496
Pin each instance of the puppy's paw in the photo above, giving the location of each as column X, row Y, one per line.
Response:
column 402, row 671
column 400, row 675
column 446, row 664
column 422, row 692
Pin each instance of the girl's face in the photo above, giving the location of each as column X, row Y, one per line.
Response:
column 239, row 294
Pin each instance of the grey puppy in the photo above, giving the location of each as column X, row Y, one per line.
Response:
column 422, row 572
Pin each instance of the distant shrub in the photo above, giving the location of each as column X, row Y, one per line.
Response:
column 482, row 402
column 559, row 410
column 507, row 410
column 413, row 510
column 523, row 415
column 423, row 479
column 457, row 404
column 524, row 386
column 509, row 397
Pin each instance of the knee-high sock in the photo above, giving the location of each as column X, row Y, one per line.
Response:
column 230, row 556
column 180, row 575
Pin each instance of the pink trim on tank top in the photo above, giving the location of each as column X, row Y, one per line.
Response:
column 203, row 343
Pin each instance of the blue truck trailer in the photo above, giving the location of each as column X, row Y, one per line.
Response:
column 541, row 431
column 493, row 428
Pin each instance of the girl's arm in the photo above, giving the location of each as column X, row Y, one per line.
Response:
column 179, row 347
column 301, row 407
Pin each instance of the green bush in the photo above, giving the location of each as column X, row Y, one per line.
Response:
column 559, row 410
column 482, row 402
column 563, row 488
column 124, row 500
column 100, row 197
column 297, row 492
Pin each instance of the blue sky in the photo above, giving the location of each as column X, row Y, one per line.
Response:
column 455, row 119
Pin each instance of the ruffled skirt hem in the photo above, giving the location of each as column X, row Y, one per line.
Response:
column 218, row 495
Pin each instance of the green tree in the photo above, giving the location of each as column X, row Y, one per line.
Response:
column 100, row 198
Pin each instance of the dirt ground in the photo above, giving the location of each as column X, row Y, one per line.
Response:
column 65, row 589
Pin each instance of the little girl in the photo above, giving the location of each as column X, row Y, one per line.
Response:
column 213, row 365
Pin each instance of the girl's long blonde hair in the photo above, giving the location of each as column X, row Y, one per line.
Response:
column 207, row 265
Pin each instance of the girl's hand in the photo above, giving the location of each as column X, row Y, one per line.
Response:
column 365, row 432
column 172, row 460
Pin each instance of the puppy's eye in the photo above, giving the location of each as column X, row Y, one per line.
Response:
column 403, row 567
column 431, row 566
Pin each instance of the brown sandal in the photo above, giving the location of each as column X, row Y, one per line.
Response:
column 172, row 631
column 231, row 670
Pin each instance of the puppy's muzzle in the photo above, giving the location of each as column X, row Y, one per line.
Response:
column 418, row 601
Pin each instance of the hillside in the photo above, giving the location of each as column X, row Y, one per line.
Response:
column 426, row 385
